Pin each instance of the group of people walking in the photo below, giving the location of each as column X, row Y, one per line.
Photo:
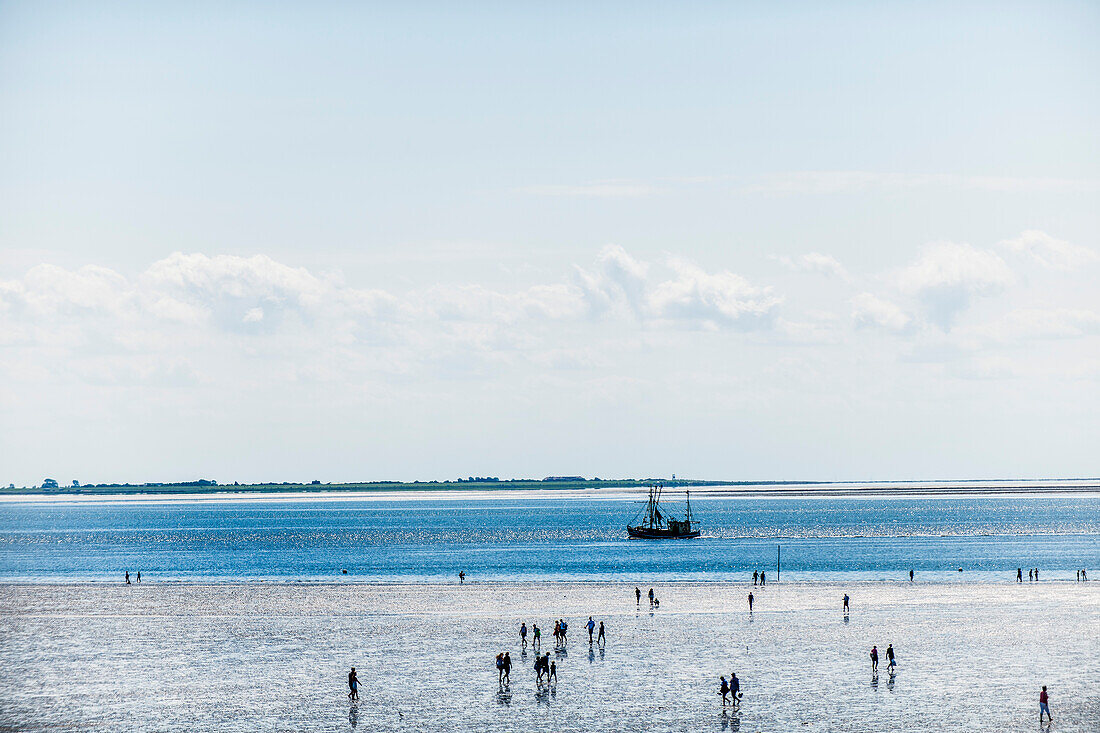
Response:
column 891, row 660
column 731, row 688
column 653, row 602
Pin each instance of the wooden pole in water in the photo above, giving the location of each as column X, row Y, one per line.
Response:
column 778, row 551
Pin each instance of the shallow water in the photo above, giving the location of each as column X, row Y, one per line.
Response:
column 547, row 537
column 275, row 657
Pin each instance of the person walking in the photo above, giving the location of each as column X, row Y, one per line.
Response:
column 500, row 669
column 638, row 595
column 591, row 626
column 762, row 579
column 536, row 637
column 890, row 661
column 750, row 601
column 724, row 688
column 1019, row 575
column 507, row 668
column 735, row 687
column 523, row 635
column 874, row 659
column 600, row 639
column 127, row 577
column 1044, row 706
column 910, row 576
column 755, row 577
column 353, row 683
column 651, row 596
column 845, row 603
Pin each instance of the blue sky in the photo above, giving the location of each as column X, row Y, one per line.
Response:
column 736, row 240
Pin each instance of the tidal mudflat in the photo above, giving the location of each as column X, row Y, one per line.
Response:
column 274, row 656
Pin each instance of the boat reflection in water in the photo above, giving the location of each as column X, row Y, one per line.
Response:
column 657, row 525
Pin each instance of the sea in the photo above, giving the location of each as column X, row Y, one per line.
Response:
column 539, row 535
column 245, row 620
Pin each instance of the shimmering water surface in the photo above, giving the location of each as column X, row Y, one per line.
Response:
column 548, row 537
column 274, row 657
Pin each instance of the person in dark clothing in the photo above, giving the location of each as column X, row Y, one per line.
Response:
column 127, row 577
column 353, row 683
column 651, row 596
column 600, row 639
column 755, row 577
column 845, row 603
column 1019, row 575
column 735, row 687
column 724, row 688
column 910, row 576
column 750, row 602
column 638, row 595
column 523, row 635
column 890, row 661
column 874, row 659
column 507, row 667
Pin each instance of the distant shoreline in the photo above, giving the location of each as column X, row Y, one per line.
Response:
column 564, row 489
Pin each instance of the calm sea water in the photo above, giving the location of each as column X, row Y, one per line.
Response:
column 550, row 537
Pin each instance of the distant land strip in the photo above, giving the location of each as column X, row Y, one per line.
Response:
column 577, row 483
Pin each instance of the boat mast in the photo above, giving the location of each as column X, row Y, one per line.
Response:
column 687, row 493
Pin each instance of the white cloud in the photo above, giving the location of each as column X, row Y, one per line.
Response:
column 712, row 299
column 1049, row 252
column 870, row 310
column 947, row 276
column 814, row 262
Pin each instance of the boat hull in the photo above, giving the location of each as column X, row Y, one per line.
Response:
column 660, row 534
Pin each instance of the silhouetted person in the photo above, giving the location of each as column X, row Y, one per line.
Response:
column 591, row 626
column 139, row 576
column 353, row 683
column 651, row 596
column 890, row 661
column 507, row 667
column 638, row 595
column 845, row 603
column 750, row 601
column 1036, row 573
column 127, row 577
column 523, row 635
column 462, row 576
column 1044, row 706
column 755, row 576
column 1019, row 575
column 553, row 672
column 724, row 688
column 910, row 576
column 735, row 687
column 762, row 580
column 536, row 638
column 874, row 659
column 600, row 639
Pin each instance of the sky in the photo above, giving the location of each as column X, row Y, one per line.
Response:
column 414, row 241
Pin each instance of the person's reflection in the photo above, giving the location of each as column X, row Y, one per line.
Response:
column 845, row 618
column 504, row 695
column 874, row 680
column 592, row 655
column 353, row 716
column 890, row 681
column 731, row 720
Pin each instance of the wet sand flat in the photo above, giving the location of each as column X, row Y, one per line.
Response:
column 260, row 656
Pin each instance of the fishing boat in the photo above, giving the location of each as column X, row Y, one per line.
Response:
column 657, row 525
